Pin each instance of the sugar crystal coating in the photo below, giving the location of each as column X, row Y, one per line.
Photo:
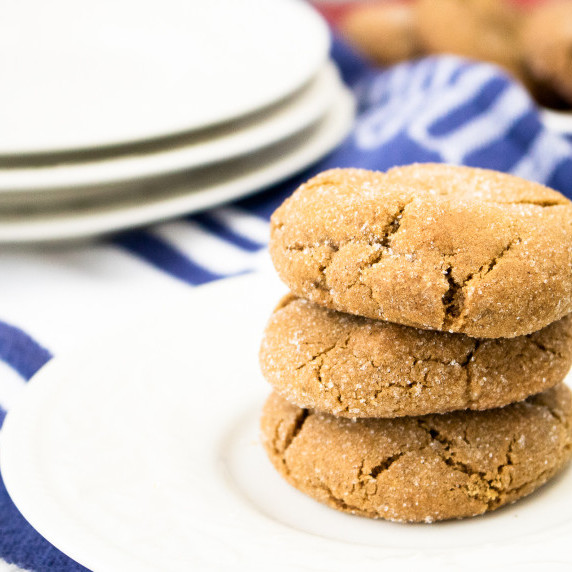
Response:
column 351, row 366
column 430, row 246
column 421, row 469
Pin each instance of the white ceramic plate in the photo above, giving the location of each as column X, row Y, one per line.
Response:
column 145, row 203
column 219, row 144
column 90, row 74
column 140, row 451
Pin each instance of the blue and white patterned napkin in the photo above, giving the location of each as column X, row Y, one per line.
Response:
column 441, row 109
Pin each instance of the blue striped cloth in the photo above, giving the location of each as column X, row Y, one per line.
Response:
column 441, row 109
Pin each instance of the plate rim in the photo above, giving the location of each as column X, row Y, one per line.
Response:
column 320, row 39
column 330, row 131
column 283, row 121
column 33, row 395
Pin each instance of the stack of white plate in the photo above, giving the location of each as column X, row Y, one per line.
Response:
column 119, row 113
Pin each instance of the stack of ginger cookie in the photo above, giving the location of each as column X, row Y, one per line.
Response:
column 417, row 363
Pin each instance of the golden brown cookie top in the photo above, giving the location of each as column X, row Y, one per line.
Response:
column 546, row 44
column 431, row 246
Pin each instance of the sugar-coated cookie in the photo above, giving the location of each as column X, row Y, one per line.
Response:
column 431, row 246
column 358, row 367
column 416, row 469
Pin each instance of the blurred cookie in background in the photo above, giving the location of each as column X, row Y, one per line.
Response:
column 385, row 32
column 546, row 45
column 531, row 39
column 479, row 29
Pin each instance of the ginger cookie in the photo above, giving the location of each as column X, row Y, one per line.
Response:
column 351, row 366
column 421, row 469
column 546, row 44
column 431, row 246
column 384, row 32
column 479, row 29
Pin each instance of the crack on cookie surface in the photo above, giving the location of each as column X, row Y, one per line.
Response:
column 543, row 347
column 320, row 354
column 493, row 263
column 465, row 364
column 319, row 360
column 352, row 285
column 381, row 243
column 298, row 424
column 543, row 204
column 393, row 227
column 486, row 489
column 384, row 465
column 366, row 483
column 455, row 297
column 279, row 445
column 309, row 353
column 338, row 502
column 452, row 299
